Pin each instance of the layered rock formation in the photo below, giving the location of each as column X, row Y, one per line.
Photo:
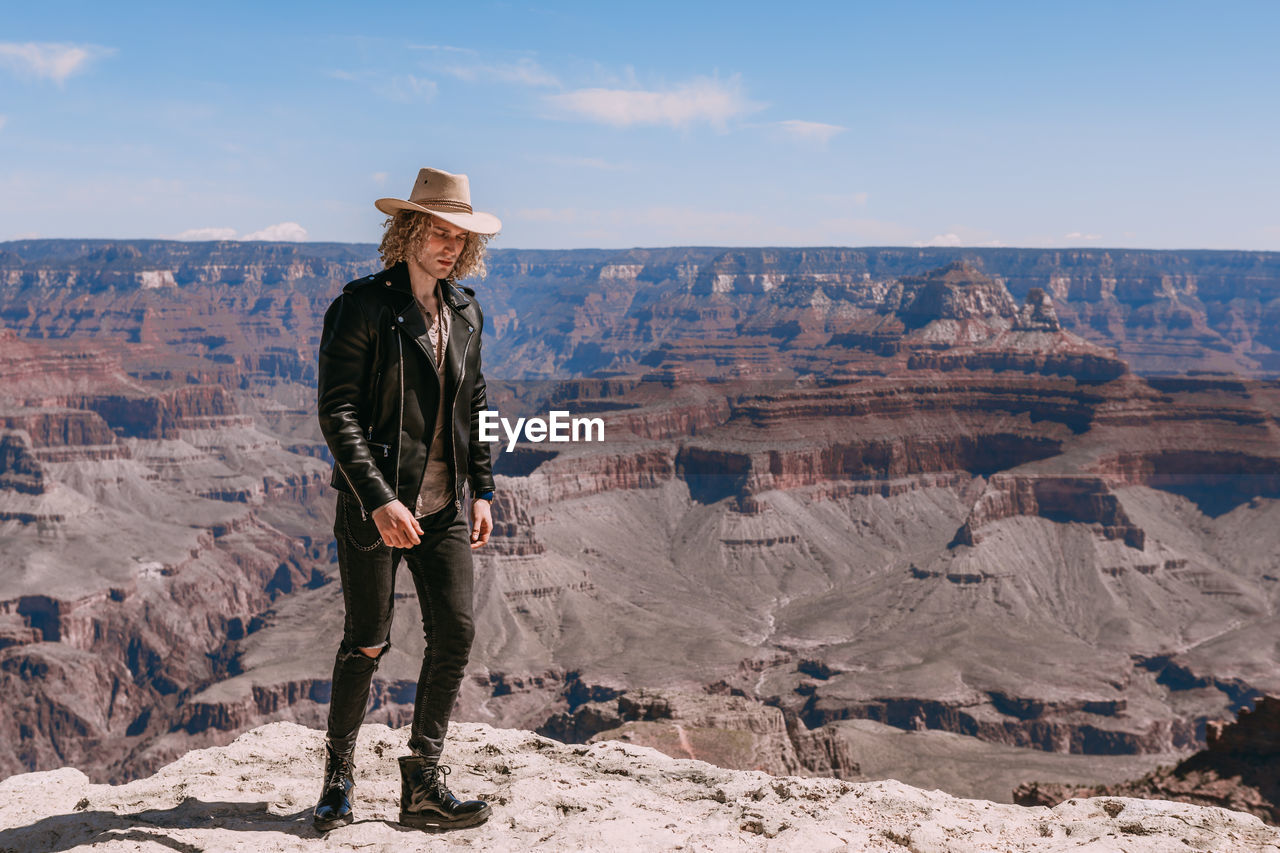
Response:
column 915, row 487
column 249, row 312
column 728, row 731
column 1163, row 312
column 132, row 525
column 258, row 792
column 1239, row 770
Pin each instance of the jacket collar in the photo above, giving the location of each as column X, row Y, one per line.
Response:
column 398, row 280
column 410, row 319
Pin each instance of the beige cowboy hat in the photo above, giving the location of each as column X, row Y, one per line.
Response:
column 446, row 196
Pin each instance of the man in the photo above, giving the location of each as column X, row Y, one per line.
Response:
column 399, row 398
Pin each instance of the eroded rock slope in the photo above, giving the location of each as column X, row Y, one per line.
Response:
column 916, row 487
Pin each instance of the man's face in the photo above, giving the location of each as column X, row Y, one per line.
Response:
column 441, row 248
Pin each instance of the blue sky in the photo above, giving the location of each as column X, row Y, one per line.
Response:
column 652, row 124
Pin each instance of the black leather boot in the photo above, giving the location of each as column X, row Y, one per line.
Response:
column 425, row 802
column 334, row 808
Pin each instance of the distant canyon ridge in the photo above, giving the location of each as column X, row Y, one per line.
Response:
column 1030, row 497
column 573, row 313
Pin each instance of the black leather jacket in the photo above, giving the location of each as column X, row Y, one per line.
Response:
column 378, row 392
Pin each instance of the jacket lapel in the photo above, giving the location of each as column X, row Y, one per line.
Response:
column 408, row 315
column 461, row 326
column 460, row 331
column 416, row 326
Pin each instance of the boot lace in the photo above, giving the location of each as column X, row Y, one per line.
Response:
column 340, row 768
column 442, row 770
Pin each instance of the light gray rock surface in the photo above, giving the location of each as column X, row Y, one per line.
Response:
column 256, row 794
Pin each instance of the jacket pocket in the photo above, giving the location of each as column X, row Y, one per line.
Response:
column 375, row 447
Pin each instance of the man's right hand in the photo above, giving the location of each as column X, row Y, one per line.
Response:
column 397, row 525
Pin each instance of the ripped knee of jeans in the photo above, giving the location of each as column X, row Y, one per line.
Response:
column 353, row 652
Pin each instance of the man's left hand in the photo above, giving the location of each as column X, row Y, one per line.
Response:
column 481, row 523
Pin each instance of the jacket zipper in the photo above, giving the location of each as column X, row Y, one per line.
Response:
column 457, row 498
column 400, row 421
column 364, row 515
column 453, row 450
column 386, row 448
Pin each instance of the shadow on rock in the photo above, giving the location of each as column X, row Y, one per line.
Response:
column 67, row 831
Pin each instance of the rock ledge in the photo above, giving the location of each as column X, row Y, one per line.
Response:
column 257, row 793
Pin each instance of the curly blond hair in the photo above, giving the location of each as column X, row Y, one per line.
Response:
column 407, row 229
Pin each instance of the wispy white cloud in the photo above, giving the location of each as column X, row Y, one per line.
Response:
column 207, row 234
column 284, row 231
column 408, row 88
column 948, row 239
column 813, row 132
column 55, row 61
column 467, row 65
column 379, row 178
column 281, row 232
column 702, row 99
column 404, row 88
column 3, row 121
column 957, row 234
column 525, row 72
column 1077, row 235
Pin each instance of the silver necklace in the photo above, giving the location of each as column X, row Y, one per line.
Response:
column 436, row 322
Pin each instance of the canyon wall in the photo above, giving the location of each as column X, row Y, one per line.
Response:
column 1024, row 496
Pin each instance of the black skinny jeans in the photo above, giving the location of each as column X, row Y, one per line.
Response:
column 442, row 573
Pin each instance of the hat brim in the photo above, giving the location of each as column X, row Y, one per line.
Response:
column 477, row 223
